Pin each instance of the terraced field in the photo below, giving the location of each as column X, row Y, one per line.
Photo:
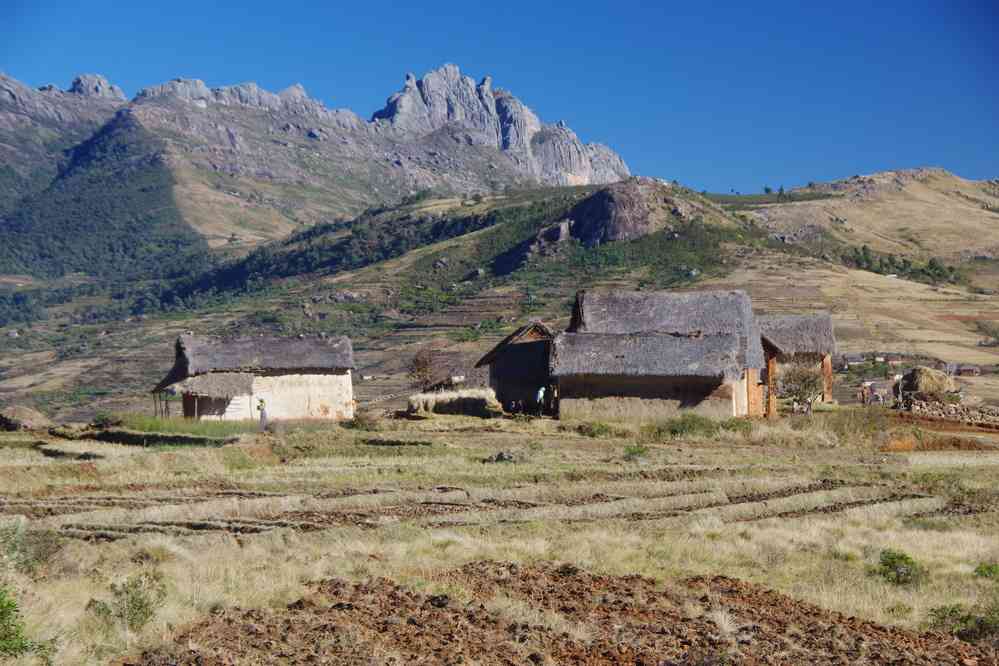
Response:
column 407, row 543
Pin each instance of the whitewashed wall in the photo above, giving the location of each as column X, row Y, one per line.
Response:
column 313, row 396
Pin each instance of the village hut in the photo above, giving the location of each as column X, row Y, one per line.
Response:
column 649, row 376
column 805, row 338
column 292, row 378
column 659, row 352
column 518, row 366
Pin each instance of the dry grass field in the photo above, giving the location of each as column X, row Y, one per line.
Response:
column 401, row 541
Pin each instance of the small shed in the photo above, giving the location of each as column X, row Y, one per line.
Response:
column 648, row 376
column 228, row 380
column 518, row 365
column 801, row 338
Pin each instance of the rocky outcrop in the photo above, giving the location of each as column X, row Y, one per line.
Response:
column 634, row 208
column 95, row 85
column 552, row 153
column 23, row 418
column 293, row 99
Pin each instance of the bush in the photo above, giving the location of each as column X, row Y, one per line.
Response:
column 28, row 549
column 686, row 425
column 133, row 603
column 801, row 382
column 598, row 429
column 105, row 420
column 898, row 568
column 12, row 639
column 987, row 570
column 967, row 624
column 742, row 427
column 634, row 451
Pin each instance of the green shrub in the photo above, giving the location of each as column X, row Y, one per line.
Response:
column 898, row 568
column 742, row 427
column 105, row 420
column 987, row 570
column 967, row 624
column 686, row 425
column 598, row 429
column 28, row 549
column 634, row 451
column 13, row 642
column 133, row 603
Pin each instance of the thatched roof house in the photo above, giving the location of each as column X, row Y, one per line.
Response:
column 518, row 365
column 645, row 355
column 293, row 377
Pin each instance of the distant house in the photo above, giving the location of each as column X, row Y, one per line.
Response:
column 894, row 360
column 853, row 360
column 648, row 355
column 294, row 378
column 969, row 371
column 804, row 338
column 518, row 365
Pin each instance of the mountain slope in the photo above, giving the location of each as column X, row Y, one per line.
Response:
column 247, row 165
column 36, row 126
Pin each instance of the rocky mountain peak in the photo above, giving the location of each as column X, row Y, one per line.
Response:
column 95, row 85
column 444, row 97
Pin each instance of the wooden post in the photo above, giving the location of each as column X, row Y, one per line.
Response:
column 827, row 379
column 772, row 387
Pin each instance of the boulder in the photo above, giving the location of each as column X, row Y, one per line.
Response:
column 23, row 418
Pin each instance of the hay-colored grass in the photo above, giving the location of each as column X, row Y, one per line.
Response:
column 471, row 402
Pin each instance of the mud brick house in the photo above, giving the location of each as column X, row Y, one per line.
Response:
column 296, row 378
column 647, row 355
column 803, row 338
column 518, row 364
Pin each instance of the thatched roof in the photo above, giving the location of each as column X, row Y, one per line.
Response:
column 215, row 385
column 685, row 313
column 537, row 328
column 799, row 334
column 197, row 355
column 647, row 355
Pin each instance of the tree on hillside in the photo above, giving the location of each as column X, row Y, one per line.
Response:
column 803, row 383
column 767, row 189
column 421, row 368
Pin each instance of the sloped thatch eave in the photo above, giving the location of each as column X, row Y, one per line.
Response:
column 215, row 385
column 204, row 355
column 792, row 335
column 704, row 313
column 646, row 355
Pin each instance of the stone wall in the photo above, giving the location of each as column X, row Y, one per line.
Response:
column 988, row 416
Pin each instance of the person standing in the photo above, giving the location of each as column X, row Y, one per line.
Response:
column 263, row 414
column 541, row 400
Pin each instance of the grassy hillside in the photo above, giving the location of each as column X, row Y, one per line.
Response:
column 110, row 213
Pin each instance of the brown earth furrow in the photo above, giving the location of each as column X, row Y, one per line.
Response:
column 618, row 620
column 835, row 508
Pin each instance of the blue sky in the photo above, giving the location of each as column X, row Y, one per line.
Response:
column 723, row 97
